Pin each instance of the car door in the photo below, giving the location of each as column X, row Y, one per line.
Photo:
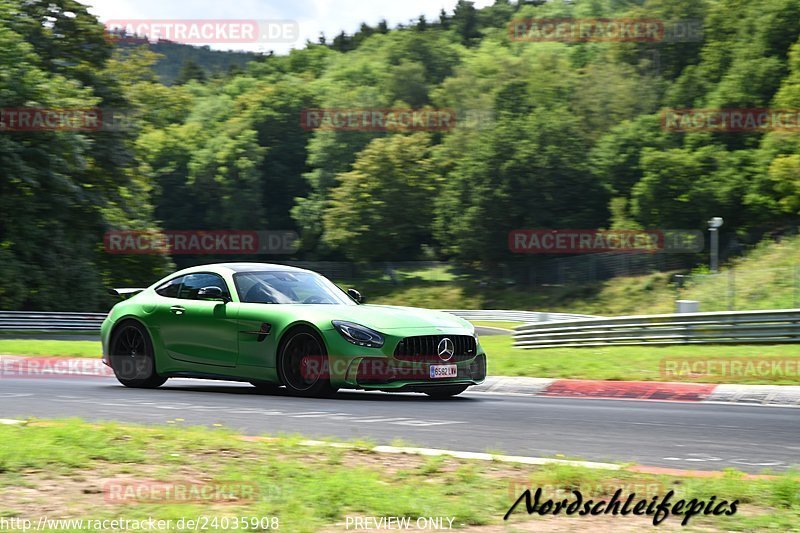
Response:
column 259, row 323
column 201, row 331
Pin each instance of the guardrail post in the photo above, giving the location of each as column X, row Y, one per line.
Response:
column 679, row 278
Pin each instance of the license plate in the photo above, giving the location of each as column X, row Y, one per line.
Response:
column 444, row 371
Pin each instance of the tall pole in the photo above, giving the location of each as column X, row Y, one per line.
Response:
column 714, row 249
column 713, row 227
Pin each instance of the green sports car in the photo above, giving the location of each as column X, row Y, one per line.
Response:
column 275, row 325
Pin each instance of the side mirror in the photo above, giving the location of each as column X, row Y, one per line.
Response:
column 355, row 295
column 211, row 293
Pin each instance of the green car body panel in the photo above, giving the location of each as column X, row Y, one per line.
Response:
column 228, row 340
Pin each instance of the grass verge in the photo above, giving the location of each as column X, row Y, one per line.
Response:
column 499, row 324
column 50, row 348
column 70, row 468
column 652, row 293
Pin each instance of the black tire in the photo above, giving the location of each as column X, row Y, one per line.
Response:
column 301, row 345
column 265, row 387
column 132, row 356
column 446, row 391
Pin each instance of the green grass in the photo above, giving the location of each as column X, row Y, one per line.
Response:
column 67, row 463
column 499, row 324
column 634, row 363
column 47, row 348
column 651, row 293
column 766, row 278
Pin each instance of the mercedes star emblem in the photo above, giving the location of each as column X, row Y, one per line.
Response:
column 446, row 349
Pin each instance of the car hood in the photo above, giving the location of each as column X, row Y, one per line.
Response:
column 388, row 317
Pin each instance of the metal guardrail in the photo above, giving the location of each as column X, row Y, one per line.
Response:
column 542, row 330
column 50, row 322
column 500, row 315
column 726, row 327
column 89, row 323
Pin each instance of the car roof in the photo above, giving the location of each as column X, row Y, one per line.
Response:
column 241, row 267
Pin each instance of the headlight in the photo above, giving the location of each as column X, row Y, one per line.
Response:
column 360, row 335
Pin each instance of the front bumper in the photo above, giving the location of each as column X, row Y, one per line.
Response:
column 382, row 373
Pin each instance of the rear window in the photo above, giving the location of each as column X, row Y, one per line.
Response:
column 171, row 288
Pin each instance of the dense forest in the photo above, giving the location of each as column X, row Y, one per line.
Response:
column 178, row 63
column 548, row 135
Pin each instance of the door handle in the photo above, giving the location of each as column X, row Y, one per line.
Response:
column 177, row 310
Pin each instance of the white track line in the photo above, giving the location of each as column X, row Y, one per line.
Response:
column 468, row 455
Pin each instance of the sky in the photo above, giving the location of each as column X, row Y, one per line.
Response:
column 311, row 16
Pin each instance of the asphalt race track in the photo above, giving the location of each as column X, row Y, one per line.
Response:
column 679, row 435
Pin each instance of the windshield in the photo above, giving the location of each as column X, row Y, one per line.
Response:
column 288, row 288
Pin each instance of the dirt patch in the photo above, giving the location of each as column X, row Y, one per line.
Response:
column 40, row 492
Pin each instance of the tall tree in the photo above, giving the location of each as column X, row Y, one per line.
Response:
column 190, row 71
column 382, row 209
column 465, row 21
column 61, row 190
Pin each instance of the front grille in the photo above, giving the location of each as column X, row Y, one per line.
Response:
column 424, row 348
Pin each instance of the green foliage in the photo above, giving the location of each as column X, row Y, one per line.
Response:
column 548, row 134
column 173, row 58
column 59, row 191
column 190, row 71
column 378, row 210
column 527, row 171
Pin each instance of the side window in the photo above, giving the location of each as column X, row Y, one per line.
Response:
column 194, row 282
column 171, row 288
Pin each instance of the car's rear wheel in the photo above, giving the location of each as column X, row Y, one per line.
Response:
column 132, row 356
column 303, row 364
column 446, row 391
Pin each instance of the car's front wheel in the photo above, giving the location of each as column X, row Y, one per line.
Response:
column 303, row 363
column 132, row 356
column 446, row 391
